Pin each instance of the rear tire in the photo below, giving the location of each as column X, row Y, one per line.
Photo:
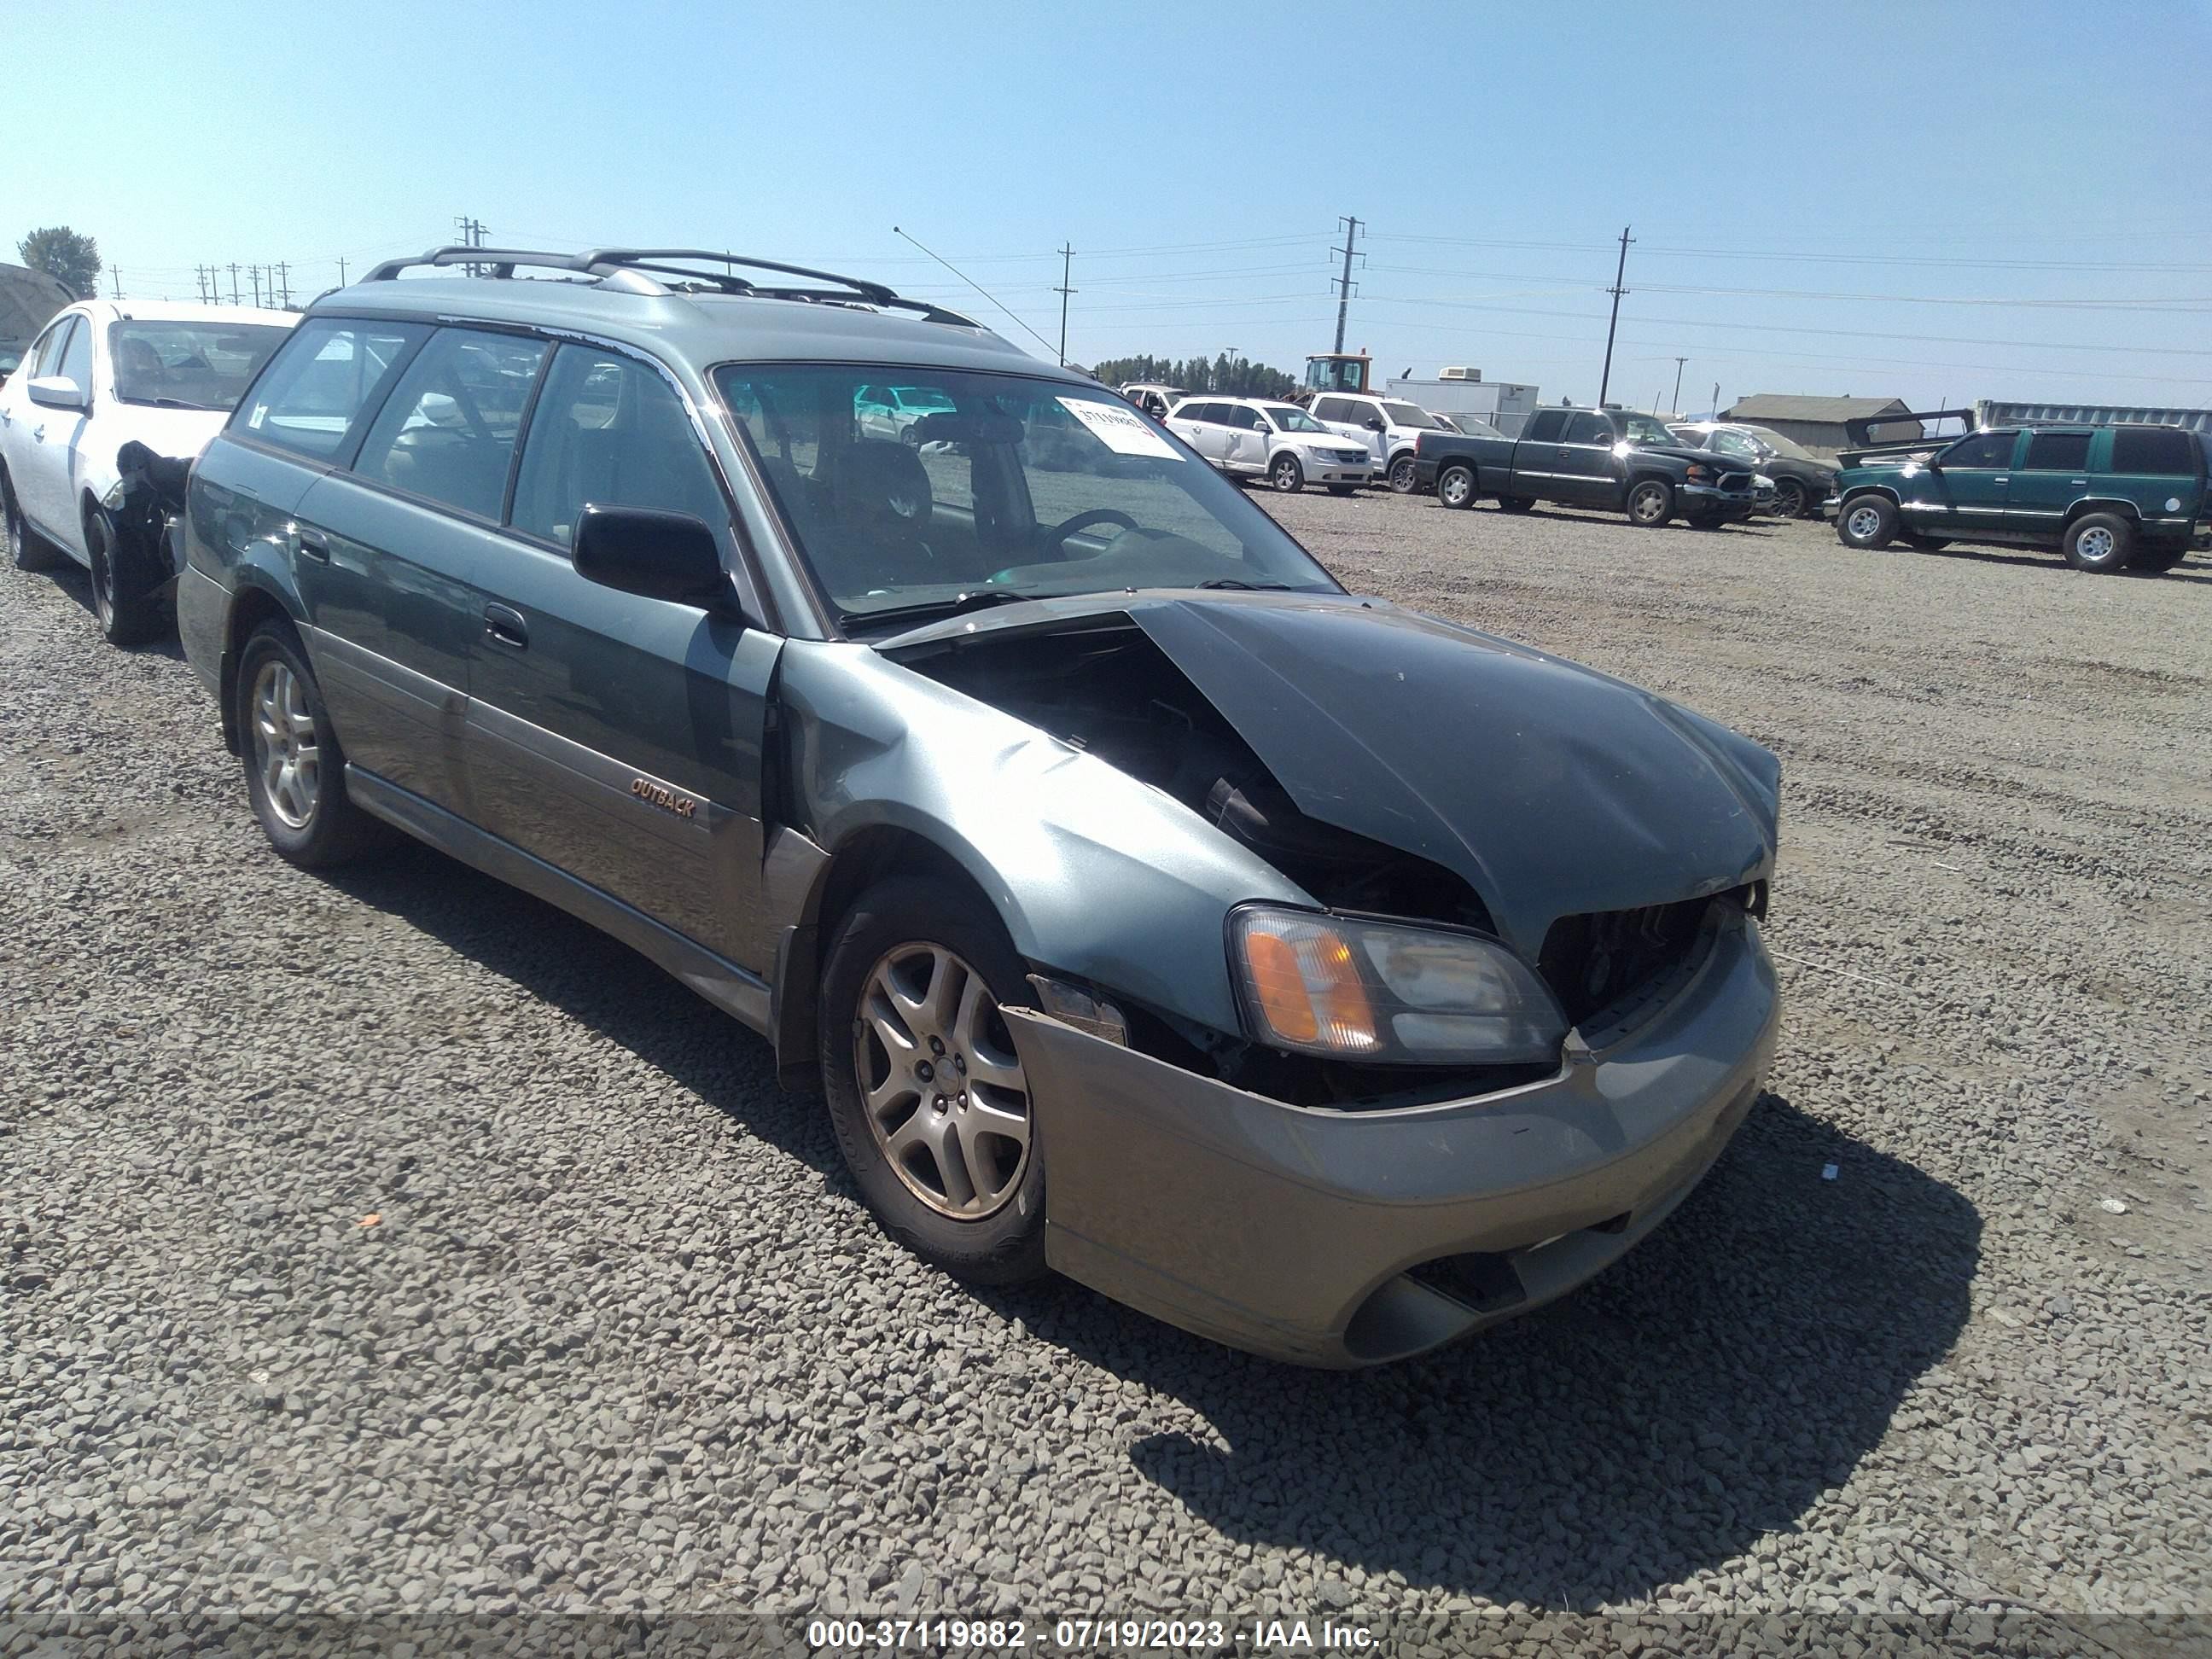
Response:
column 122, row 587
column 1790, row 499
column 2099, row 542
column 1651, row 504
column 294, row 769
column 25, row 550
column 1456, row 486
column 1284, row 475
column 1866, row 521
column 1401, row 476
column 897, row 938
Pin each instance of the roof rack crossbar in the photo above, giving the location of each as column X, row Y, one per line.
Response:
column 652, row 263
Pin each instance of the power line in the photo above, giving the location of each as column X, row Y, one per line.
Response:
column 977, row 286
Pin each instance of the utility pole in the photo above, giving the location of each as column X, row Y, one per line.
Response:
column 342, row 283
column 1620, row 271
column 473, row 236
column 284, row 275
column 234, row 281
column 1067, row 262
column 1344, row 282
column 115, row 276
column 1677, row 405
column 1717, row 400
column 254, row 273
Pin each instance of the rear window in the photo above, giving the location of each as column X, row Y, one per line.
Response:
column 2166, row 449
column 311, row 397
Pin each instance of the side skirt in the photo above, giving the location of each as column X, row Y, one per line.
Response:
column 722, row 982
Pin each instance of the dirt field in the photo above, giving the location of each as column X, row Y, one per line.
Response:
column 620, row 1337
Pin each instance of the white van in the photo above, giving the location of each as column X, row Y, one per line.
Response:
column 1264, row 437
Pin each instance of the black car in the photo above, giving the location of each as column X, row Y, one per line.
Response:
column 1802, row 479
column 1609, row 459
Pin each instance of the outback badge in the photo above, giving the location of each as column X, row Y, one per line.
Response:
column 667, row 799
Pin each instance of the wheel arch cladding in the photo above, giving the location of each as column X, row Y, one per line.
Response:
column 2119, row 509
column 253, row 605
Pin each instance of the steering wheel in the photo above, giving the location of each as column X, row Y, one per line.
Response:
column 1058, row 535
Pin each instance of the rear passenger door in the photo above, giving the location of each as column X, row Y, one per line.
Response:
column 388, row 552
column 1590, row 476
column 588, row 705
column 2051, row 477
column 1537, row 456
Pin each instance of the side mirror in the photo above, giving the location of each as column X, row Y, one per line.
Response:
column 1375, row 423
column 660, row 555
column 58, row 392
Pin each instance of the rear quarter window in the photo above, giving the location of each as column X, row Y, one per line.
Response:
column 323, row 382
column 2169, row 451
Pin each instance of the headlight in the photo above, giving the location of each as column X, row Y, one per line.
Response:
column 1383, row 992
column 1699, row 474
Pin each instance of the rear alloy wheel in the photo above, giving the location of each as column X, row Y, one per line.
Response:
column 294, row 769
column 1651, row 504
column 925, row 1087
column 1788, row 499
column 2100, row 541
column 123, row 592
column 1286, row 476
column 1455, row 486
column 1401, row 475
column 1866, row 521
column 25, row 551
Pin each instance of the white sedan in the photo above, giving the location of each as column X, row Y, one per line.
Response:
column 102, row 374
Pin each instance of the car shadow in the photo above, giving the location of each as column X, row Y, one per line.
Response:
column 1704, row 1392
column 2054, row 562
column 74, row 580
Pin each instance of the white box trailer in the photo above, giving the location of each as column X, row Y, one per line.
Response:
column 1504, row 404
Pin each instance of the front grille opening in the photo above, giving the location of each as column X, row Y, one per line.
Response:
column 1483, row 1282
column 1593, row 961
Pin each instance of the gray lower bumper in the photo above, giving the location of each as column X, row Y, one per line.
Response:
column 1290, row 1232
column 1728, row 504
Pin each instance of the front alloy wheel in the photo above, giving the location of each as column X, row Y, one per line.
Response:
column 1286, row 476
column 1788, row 499
column 943, row 1086
column 1401, row 475
column 1650, row 503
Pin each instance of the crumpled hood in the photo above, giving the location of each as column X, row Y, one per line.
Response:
column 1554, row 790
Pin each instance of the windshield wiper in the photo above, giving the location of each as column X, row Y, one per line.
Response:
column 975, row 599
column 170, row 403
column 1242, row 585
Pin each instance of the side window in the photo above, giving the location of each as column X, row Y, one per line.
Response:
column 609, row 431
column 1735, row 443
column 76, row 356
column 2167, row 450
column 2057, row 451
column 311, row 397
column 1242, row 418
column 448, row 431
column 1983, row 449
column 1545, row 425
column 1334, row 409
column 1590, row 428
column 48, row 354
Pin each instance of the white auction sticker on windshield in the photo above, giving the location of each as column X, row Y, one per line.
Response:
column 1121, row 430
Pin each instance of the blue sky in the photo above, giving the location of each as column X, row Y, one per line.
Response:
column 1930, row 201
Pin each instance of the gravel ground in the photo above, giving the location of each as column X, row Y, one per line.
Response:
column 395, row 1242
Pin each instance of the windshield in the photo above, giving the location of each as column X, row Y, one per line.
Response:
column 1642, row 429
column 188, row 365
column 1408, row 415
column 1018, row 488
column 1290, row 418
column 1781, row 445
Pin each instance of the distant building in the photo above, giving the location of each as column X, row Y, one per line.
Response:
column 1818, row 423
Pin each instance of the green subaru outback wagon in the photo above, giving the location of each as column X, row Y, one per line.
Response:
column 1319, row 975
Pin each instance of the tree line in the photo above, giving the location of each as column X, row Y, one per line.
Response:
column 1232, row 377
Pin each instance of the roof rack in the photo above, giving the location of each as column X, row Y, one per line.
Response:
column 640, row 271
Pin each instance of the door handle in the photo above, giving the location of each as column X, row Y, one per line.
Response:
column 2001, row 479
column 311, row 545
column 38, row 433
column 504, row 624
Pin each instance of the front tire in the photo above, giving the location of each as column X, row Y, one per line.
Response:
column 1401, row 476
column 925, row 1087
column 1866, row 521
column 1651, row 504
column 2099, row 542
column 1285, row 477
column 1456, row 486
column 294, row 769
column 1790, row 499
column 122, row 589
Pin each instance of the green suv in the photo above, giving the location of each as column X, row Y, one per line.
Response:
column 2109, row 497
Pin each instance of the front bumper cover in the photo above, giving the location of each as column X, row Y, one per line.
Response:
column 1290, row 1232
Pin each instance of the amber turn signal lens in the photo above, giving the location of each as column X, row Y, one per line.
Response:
column 1306, row 981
